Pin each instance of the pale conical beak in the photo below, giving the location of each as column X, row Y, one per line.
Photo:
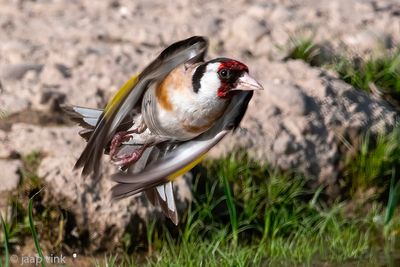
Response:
column 247, row 83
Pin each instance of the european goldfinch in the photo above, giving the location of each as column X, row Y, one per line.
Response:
column 163, row 120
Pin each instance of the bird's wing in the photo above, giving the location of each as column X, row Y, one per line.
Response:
column 185, row 156
column 189, row 50
column 161, row 195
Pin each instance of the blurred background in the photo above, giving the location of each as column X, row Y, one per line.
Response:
column 310, row 178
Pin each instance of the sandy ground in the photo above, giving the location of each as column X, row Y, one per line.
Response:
column 81, row 52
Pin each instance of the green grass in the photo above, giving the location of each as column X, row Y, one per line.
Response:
column 109, row 261
column 306, row 50
column 376, row 169
column 33, row 231
column 35, row 237
column 383, row 72
column 248, row 215
column 6, row 243
column 375, row 163
column 377, row 74
column 20, row 225
column 394, row 196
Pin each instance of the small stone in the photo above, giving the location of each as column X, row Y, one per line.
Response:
column 18, row 71
column 52, row 99
column 64, row 70
column 9, row 178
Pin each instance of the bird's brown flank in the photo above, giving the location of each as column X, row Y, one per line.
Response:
column 162, row 94
column 177, row 78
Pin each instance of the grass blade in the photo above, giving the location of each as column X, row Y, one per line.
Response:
column 231, row 208
column 394, row 195
column 33, row 230
column 7, row 252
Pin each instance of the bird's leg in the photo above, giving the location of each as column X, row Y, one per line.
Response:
column 120, row 138
column 125, row 136
column 130, row 158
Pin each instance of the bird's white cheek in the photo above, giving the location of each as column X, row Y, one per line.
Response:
column 209, row 84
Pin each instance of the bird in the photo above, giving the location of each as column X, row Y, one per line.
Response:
column 164, row 120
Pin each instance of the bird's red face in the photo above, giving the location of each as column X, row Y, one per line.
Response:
column 229, row 73
column 223, row 77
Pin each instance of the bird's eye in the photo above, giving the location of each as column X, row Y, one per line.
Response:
column 223, row 73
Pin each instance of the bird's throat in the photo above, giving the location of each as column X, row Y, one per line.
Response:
column 223, row 91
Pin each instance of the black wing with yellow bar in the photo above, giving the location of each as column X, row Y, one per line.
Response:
column 192, row 49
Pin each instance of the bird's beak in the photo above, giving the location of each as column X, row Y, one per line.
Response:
column 247, row 83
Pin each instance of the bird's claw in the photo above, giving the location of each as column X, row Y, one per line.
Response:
column 118, row 139
column 129, row 159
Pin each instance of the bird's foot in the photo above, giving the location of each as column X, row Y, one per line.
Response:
column 118, row 139
column 129, row 159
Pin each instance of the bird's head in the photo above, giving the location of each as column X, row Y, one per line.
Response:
column 223, row 77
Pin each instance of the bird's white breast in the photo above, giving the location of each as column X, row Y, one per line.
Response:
column 182, row 113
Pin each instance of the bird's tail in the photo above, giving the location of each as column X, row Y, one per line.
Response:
column 158, row 194
column 87, row 118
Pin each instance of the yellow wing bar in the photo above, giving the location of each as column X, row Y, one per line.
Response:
column 186, row 168
column 119, row 96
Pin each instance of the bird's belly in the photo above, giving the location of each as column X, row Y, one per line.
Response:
column 179, row 115
column 178, row 127
column 187, row 124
